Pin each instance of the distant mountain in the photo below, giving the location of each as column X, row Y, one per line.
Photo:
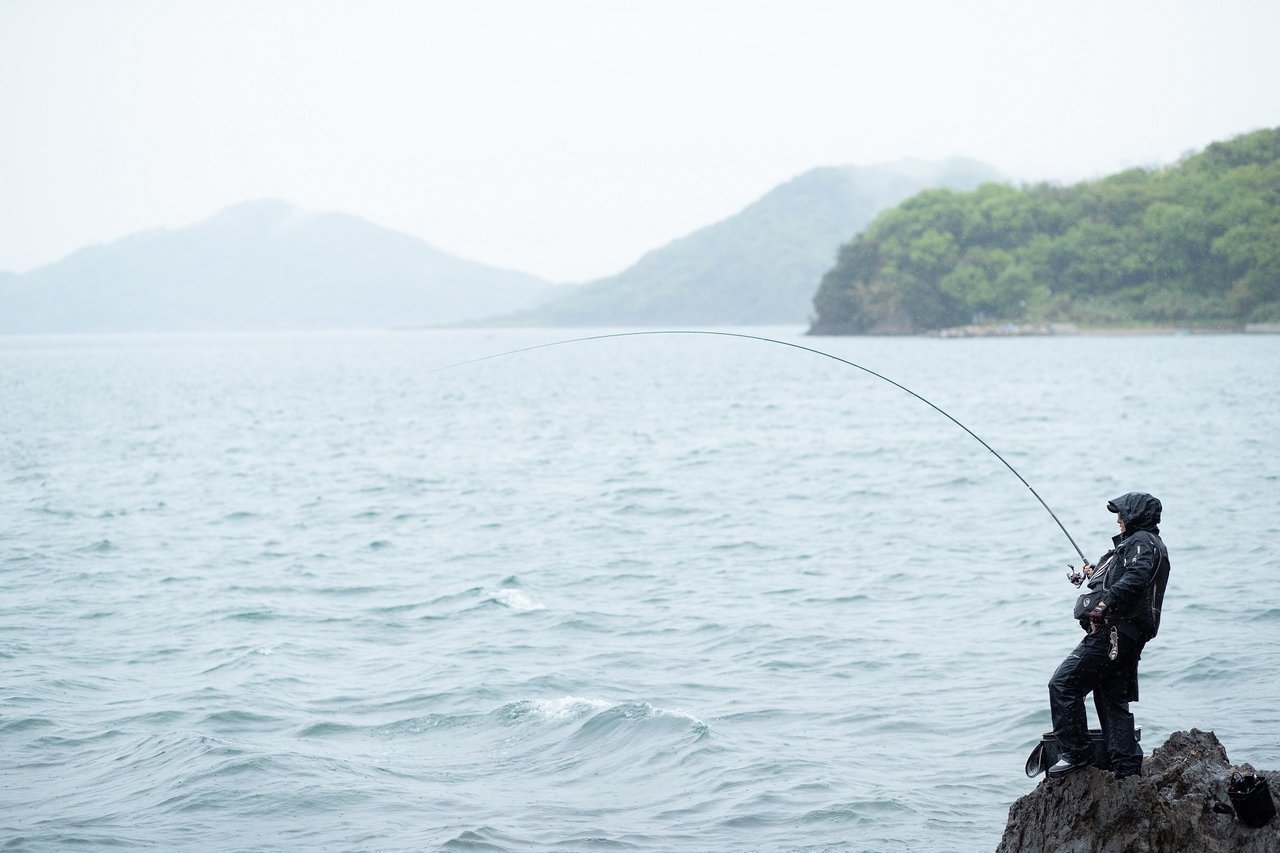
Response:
column 261, row 265
column 762, row 265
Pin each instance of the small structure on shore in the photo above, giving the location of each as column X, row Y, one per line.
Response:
column 1180, row 803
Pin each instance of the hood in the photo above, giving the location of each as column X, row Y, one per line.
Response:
column 1139, row 510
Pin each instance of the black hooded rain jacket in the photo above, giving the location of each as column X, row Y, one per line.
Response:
column 1134, row 581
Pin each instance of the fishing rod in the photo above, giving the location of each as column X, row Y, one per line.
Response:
column 831, row 356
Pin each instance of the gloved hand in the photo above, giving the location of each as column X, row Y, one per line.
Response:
column 1097, row 616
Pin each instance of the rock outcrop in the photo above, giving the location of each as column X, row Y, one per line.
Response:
column 1170, row 808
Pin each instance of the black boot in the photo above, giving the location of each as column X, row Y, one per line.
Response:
column 1066, row 766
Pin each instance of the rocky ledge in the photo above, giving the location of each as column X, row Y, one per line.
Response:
column 1169, row 809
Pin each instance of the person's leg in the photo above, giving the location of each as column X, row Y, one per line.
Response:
column 1074, row 679
column 1116, row 687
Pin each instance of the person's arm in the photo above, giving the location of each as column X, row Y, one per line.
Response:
column 1139, row 561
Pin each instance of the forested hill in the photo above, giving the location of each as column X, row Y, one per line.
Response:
column 759, row 265
column 1193, row 243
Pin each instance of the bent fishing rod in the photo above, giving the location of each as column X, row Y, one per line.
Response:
column 822, row 353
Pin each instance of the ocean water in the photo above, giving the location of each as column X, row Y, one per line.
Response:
column 673, row 593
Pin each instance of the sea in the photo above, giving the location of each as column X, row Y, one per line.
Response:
column 344, row 591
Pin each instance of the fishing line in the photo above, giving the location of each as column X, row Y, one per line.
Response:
column 866, row 370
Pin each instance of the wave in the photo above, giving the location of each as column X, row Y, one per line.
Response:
column 484, row 839
column 25, row 724
column 516, row 600
column 563, row 708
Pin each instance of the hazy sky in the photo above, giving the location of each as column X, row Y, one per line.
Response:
column 567, row 137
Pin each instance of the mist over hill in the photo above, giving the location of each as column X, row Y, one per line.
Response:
column 261, row 265
column 763, row 264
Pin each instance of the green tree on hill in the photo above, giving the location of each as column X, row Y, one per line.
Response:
column 1198, row 241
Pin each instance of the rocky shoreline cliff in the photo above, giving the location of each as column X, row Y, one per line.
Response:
column 1169, row 809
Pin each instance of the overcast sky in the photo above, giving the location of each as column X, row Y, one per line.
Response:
column 567, row 137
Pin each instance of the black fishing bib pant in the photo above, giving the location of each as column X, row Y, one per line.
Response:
column 1114, row 684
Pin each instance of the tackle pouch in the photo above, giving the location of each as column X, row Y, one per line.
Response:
column 1086, row 602
column 1097, row 588
column 1251, row 798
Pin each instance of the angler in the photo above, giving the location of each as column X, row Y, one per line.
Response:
column 1120, row 613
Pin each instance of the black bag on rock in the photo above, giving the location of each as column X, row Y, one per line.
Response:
column 1251, row 798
